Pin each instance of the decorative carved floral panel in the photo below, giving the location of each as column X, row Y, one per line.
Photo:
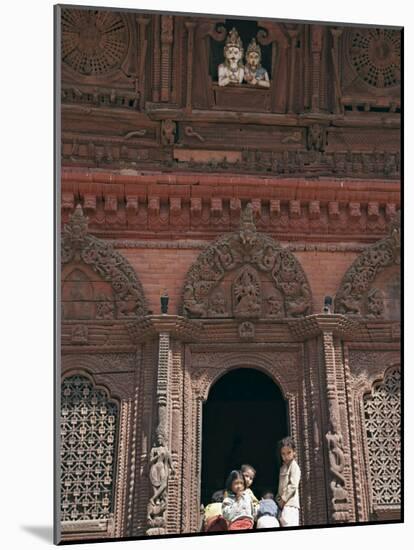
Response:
column 88, row 439
column 382, row 422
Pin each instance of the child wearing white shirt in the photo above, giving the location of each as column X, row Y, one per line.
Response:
column 289, row 477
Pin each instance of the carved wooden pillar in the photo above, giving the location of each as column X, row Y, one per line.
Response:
column 167, row 24
column 316, row 513
column 336, row 33
column 142, row 23
column 339, row 495
column 167, row 459
column 202, row 93
column 160, row 465
column 271, row 33
column 316, row 49
column 156, row 60
column 190, row 26
column 293, row 35
column 330, row 427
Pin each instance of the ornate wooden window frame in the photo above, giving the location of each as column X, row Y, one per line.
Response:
column 114, row 526
column 363, row 385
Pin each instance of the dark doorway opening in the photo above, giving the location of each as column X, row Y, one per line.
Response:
column 243, row 419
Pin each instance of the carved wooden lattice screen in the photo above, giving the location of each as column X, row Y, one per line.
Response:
column 382, row 411
column 88, row 430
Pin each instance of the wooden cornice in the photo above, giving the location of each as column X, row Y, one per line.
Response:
column 204, row 205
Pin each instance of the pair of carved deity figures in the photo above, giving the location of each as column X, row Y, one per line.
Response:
column 232, row 71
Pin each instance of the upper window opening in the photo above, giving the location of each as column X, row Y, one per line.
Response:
column 240, row 59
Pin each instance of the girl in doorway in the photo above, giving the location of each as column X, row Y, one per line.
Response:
column 249, row 473
column 237, row 506
column 289, row 478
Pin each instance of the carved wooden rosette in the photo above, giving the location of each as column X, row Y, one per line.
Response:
column 246, row 275
column 95, row 44
column 356, row 294
column 79, row 247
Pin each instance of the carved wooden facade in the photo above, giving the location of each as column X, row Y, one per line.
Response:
column 226, row 193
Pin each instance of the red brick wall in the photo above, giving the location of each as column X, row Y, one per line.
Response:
column 161, row 268
column 324, row 271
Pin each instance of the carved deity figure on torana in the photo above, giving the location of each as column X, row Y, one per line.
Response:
column 232, row 70
column 254, row 73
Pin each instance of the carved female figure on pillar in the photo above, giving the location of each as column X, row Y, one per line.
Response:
column 337, row 465
column 232, row 70
column 254, row 73
column 160, row 469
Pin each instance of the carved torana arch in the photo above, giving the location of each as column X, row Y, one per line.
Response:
column 79, row 247
column 356, row 294
column 286, row 291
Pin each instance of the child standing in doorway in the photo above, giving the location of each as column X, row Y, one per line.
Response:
column 289, row 477
column 237, row 506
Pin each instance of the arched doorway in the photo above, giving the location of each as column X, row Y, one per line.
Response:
column 244, row 417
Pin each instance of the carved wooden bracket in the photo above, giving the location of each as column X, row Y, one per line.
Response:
column 314, row 325
column 178, row 327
